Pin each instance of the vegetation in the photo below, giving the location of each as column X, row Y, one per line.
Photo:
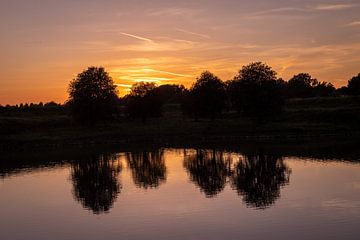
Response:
column 92, row 96
column 206, row 97
column 256, row 91
column 304, row 86
column 354, row 86
column 254, row 103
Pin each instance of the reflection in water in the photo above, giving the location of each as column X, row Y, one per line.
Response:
column 258, row 179
column 148, row 168
column 95, row 182
column 209, row 170
column 33, row 186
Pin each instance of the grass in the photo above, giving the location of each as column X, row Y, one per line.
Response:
column 302, row 118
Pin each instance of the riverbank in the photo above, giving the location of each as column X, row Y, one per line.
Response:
column 316, row 118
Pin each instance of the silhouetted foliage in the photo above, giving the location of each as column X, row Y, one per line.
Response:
column 92, row 96
column 304, row 86
column 324, row 89
column 143, row 101
column 95, row 182
column 208, row 170
column 342, row 91
column 148, row 168
column 206, row 98
column 256, row 92
column 170, row 93
column 301, row 86
column 354, row 86
column 33, row 107
column 258, row 179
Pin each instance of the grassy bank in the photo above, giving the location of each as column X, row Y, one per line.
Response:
column 302, row 118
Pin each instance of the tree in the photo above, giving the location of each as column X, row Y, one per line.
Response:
column 206, row 97
column 256, row 92
column 170, row 93
column 92, row 96
column 354, row 85
column 324, row 89
column 301, row 86
column 143, row 102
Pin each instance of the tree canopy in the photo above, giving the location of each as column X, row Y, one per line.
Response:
column 303, row 85
column 207, row 97
column 256, row 91
column 142, row 101
column 92, row 96
column 354, row 85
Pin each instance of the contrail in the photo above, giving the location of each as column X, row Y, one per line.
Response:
column 137, row 37
column 192, row 33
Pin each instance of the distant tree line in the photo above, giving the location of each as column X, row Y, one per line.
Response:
column 32, row 107
column 255, row 92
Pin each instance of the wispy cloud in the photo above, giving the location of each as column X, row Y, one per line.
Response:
column 296, row 12
column 192, row 33
column 332, row 7
column 173, row 12
column 123, row 85
column 137, row 37
column 278, row 12
column 352, row 24
column 170, row 73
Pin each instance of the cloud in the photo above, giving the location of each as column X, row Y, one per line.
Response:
column 172, row 12
column 333, row 7
column 192, row 33
column 352, row 24
column 137, row 37
column 170, row 73
column 123, row 85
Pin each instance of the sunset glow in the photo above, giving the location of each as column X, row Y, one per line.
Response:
column 44, row 44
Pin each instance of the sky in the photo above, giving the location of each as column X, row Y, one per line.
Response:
column 44, row 44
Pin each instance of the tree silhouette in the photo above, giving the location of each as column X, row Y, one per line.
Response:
column 208, row 170
column 324, row 89
column 92, row 96
column 354, row 86
column 258, row 179
column 148, row 168
column 303, row 85
column 256, row 92
column 143, row 101
column 95, row 182
column 170, row 93
column 206, row 97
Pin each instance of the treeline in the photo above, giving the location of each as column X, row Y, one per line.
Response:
column 32, row 107
column 255, row 92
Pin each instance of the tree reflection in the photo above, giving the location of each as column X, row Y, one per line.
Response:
column 148, row 168
column 95, row 182
column 208, row 170
column 258, row 178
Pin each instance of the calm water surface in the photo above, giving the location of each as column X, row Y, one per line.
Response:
column 178, row 194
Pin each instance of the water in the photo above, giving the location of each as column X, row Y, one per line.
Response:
column 178, row 194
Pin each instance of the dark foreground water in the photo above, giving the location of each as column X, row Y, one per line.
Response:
column 178, row 194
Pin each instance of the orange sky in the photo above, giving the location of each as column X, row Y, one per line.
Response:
column 44, row 44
